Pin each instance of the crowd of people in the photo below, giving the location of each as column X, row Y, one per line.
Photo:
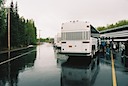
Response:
column 107, row 46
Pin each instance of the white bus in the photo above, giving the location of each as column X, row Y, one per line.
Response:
column 57, row 41
column 79, row 39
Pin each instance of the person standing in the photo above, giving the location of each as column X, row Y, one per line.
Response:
column 114, row 50
column 122, row 49
column 103, row 48
column 108, row 52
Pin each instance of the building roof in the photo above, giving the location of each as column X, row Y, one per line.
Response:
column 120, row 28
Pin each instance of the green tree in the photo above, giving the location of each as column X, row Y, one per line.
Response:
column 101, row 28
column 30, row 32
column 14, row 27
column 22, row 31
column 22, row 35
column 2, row 3
column 117, row 24
column 3, row 26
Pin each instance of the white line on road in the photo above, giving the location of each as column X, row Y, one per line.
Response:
column 16, row 57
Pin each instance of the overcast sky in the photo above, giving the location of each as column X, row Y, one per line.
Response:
column 50, row 14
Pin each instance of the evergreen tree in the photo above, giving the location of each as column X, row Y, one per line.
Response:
column 13, row 29
column 3, row 26
column 22, row 31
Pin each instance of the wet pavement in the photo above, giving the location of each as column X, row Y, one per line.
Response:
column 44, row 67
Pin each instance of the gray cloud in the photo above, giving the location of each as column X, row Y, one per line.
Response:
column 49, row 14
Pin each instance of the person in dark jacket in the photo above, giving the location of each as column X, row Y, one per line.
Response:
column 108, row 52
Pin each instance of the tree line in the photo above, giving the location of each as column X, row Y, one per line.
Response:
column 48, row 40
column 22, row 31
column 117, row 24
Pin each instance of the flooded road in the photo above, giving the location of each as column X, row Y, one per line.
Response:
column 43, row 68
column 36, row 69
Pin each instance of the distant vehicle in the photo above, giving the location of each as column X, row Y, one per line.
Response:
column 79, row 39
column 57, row 41
column 30, row 46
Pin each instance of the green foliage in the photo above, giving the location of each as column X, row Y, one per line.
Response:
column 2, row 3
column 43, row 40
column 46, row 40
column 30, row 32
column 22, row 31
column 101, row 28
column 3, row 31
column 119, row 23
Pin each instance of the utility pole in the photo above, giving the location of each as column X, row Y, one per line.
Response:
column 8, row 9
column 8, row 28
column 39, row 37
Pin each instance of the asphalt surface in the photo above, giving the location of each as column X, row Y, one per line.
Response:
column 44, row 67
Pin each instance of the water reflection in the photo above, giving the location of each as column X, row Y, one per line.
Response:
column 9, row 72
column 60, row 58
column 78, row 72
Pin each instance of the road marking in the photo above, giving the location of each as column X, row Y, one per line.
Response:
column 113, row 71
column 16, row 57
